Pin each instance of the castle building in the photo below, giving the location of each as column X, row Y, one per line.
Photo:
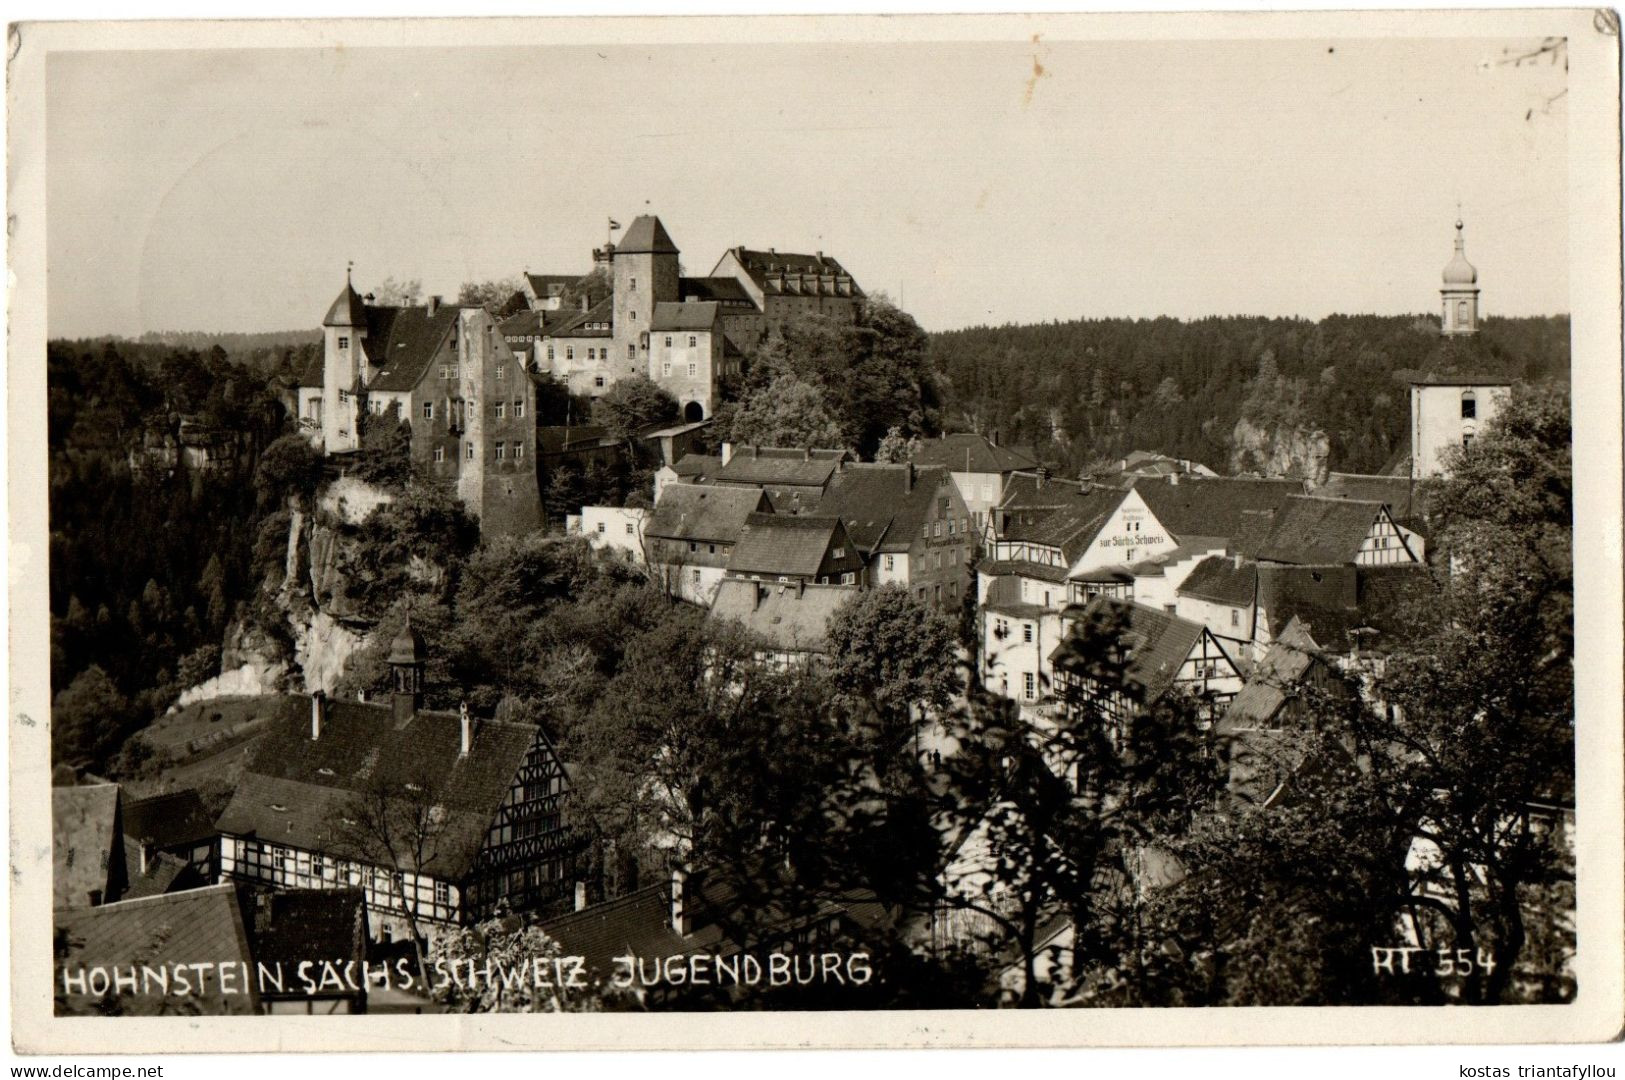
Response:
column 445, row 371
column 1460, row 292
column 685, row 333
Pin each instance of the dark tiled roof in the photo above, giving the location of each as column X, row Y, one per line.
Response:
column 347, row 309
column 161, row 931
column 403, row 342
column 695, row 315
column 309, row 924
column 311, row 377
column 1325, row 598
column 525, row 323
column 969, row 452
column 1311, row 531
column 882, row 508
column 1072, row 527
column 1236, row 509
column 793, row 545
column 762, row 469
column 1158, row 643
column 296, row 789
column 87, row 843
column 1408, row 499
column 724, row 289
column 763, row 266
column 1025, row 490
column 1023, row 568
column 709, row 512
column 551, row 284
column 1220, row 580
column 697, row 465
column 646, row 235
column 793, row 618
column 175, row 819
column 162, row 871
column 1279, row 671
column 599, row 315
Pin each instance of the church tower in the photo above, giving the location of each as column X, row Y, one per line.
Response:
column 645, row 274
column 1460, row 292
column 343, row 365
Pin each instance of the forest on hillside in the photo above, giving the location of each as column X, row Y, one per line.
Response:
column 1086, row 391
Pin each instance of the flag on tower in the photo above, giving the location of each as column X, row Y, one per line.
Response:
column 613, row 224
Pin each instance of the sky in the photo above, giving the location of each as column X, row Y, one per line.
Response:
column 993, row 182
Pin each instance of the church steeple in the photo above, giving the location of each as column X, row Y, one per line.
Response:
column 1460, row 291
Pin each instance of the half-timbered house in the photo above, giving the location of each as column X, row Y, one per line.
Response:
column 437, row 816
column 1311, row 530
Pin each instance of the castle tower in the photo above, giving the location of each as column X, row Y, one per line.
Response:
column 407, row 656
column 1460, row 292
column 343, row 365
column 645, row 274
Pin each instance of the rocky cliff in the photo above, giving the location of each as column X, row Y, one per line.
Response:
column 1295, row 452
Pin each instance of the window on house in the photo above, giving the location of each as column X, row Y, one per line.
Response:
column 889, row 563
column 1466, row 442
column 428, row 410
column 632, row 349
column 693, row 340
column 632, row 283
column 696, row 577
column 1027, row 631
column 442, row 894
column 502, row 370
column 344, row 343
column 501, row 407
column 502, row 451
column 668, row 341
column 693, row 546
column 691, row 371
column 550, row 352
column 936, row 529
column 598, row 381
column 471, row 451
column 440, row 453
column 629, row 528
column 849, row 579
column 1469, row 405
column 665, row 369
column 1235, row 617
column 1029, row 685
column 518, row 409
column 518, row 451
column 600, row 528
column 569, row 352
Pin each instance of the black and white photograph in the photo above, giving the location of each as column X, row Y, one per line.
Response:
column 844, row 518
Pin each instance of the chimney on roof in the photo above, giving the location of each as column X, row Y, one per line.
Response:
column 819, row 255
column 1173, row 478
column 434, row 306
column 318, row 713
column 581, row 895
column 466, row 723
column 1042, row 474
column 1237, row 557
column 908, row 478
column 586, row 303
column 727, row 451
column 142, row 848
column 680, row 921
column 806, row 453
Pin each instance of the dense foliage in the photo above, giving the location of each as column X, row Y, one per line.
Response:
column 1086, row 390
column 150, row 556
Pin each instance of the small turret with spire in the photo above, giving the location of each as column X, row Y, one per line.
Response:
column 1460, row 290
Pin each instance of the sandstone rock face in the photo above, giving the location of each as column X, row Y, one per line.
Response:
column 352, row 500
column 1296, row 453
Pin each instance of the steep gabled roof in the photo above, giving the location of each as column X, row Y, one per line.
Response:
column 764, row 268
column 160, row 876
column 296, row 789
column 971, row 453
column 714, row 513
column 403, row 342
column 312, row 374
column 551, row 284
column 789, row 544
column 1030, row 491
column 1408, row 499
column 672, row 316
column 1071, row 527
column 1221, row 581
column 1450, row 378
column 1311, row 530
column 1240, row 510
column 174, row 819
column 791, row 618
column 87, row 843
column 883, row 506
column 1280, row 670
column 1324, row 598
column 163, row 932
column 1157, row 643
column 646, row 235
